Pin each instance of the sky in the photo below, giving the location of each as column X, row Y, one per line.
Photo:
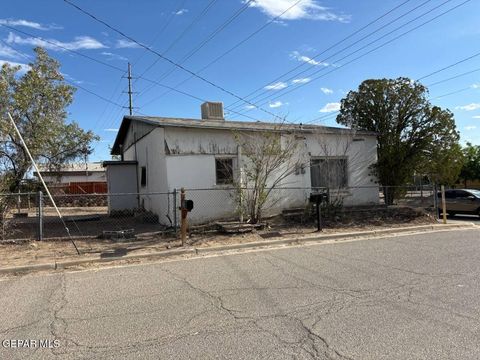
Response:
column 282, row 58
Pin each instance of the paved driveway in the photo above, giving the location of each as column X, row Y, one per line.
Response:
column 408, row 297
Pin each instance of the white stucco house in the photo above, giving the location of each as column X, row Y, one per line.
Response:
column 160, row 154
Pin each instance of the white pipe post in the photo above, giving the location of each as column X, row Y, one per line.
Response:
column 41, row 179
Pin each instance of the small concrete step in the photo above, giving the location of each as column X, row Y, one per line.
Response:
column 237, row 227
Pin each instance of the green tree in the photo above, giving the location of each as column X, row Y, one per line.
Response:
column 471, row 167
column 38, row 103
column 413, row 135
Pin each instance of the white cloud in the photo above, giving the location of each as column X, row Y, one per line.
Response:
column 79, row 42
column 303, row 58
column 305, row 9
column 250, row 107
column 72, row 79
column 7, row 51
column 330, row 107
column 111, row 130
column 126, row 44
column 469, row 107
column 301, row 80
column 112, row 56
column 181, row 12
column 326, row 90
column 23, row 67
column 276, row 86
column 29, row 24
column 275, row 104
column 476, row 117
column 475, row 86
column 470, row 127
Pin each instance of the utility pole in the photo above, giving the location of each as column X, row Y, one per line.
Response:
column 129, row 77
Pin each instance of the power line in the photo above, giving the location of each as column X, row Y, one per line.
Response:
column 166, row 58
column 217, row 31
column 76, row 85
column 287, row 91
column 174, row 42
column 438, row 82
column 327, row 49
column 114, row 68
column 322, row 118
column 93, row 93
column 374, row 49
column 15, row 50
column 452, row 93
column 450, row 66
column 101, row 117
column 454, row 77
column 271, row 21
column 63, row 48
column 165, row 25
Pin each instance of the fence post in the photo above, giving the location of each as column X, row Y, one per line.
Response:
column 183, row 224
column 435, row 201
column 40, row 215
column 175, row 222
column 444, row 207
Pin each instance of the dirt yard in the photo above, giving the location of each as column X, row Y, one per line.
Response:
column 29, row 252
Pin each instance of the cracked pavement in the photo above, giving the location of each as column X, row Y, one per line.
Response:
column 405, row 297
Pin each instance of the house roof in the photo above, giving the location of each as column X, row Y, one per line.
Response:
column 119, row 162
column 73, row 168
column 224, row 125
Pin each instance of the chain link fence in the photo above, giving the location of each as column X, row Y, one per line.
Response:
column 213, row 204
column 32, row 216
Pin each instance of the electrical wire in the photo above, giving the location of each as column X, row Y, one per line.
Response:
column 217, row 31
column 287, row 91
column 251, row 35
column 331, row 47
column 211, row 83
column 374, row 49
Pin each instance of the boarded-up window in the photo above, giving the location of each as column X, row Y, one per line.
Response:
column 143, row 176
column 224, row 171
column 329, row 173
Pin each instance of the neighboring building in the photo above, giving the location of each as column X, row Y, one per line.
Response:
column 77, row 178
column 170, row 153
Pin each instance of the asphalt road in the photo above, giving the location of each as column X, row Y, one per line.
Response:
column 465, row 218
column 408, row 297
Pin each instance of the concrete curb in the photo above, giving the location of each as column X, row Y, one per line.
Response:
column 250, row 245
column 326, row 237
column 27, row 268
column 161, row 254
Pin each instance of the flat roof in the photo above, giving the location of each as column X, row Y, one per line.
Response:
column 226, row 125
column 119, row 162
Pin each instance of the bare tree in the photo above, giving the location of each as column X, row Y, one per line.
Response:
column 330, row 168
column 269, row 158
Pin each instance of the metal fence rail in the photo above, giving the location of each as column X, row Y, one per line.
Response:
column 88, row 216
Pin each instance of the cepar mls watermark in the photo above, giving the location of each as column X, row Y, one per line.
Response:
column 30, row 343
